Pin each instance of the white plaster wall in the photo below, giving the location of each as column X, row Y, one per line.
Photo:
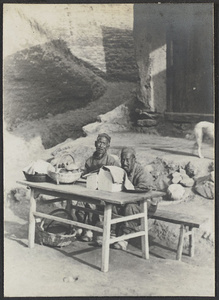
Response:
column 26, row 25
column 158, row 85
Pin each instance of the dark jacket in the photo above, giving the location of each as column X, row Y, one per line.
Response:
column 93, row 163
column 140, row 178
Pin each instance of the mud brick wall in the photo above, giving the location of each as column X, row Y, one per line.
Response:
column 119, row 54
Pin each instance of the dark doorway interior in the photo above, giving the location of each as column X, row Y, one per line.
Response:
column 190, row 61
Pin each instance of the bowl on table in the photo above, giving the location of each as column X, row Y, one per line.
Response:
column 37, row 177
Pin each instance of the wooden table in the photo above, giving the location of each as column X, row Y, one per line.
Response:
column 79, row 192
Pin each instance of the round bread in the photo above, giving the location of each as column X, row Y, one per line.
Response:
column 71, row 167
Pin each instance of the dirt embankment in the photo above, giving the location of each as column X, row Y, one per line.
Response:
column 47, row 79
column 55, row 129
column 49, row 92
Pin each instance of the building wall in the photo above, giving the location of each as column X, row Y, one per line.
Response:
column 181, row 81
column 58, row 57
column 119, row 54
column 81, row 26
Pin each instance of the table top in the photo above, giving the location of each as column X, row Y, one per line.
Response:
column 81, row 190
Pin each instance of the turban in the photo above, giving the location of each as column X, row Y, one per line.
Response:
column 104, row 135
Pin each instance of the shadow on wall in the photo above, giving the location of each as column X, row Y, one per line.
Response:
column 47, row 79
column 119, row 54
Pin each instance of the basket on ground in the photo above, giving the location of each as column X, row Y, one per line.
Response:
column 56, row 234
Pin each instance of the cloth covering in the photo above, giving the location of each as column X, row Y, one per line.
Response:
column 39, row 166
column 119, row 176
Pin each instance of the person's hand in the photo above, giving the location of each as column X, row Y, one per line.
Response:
column 155, row 201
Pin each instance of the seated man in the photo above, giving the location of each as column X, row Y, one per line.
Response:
column 99, row 159
column 141, row 180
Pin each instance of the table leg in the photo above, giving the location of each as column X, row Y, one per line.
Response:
column 144, row 227
column 106, row 237
column 180, row 243
column 32, row 222
column 191, row 242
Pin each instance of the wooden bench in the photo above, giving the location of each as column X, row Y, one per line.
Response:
column 187, row 224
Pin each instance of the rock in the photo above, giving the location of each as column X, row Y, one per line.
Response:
column 205, row 189
column 119, row 115
column 176, row 177
column 212, row 176
column 99, row 127
column 175, row 191
column 70, row 278
column 211, row 167
column 191, row 170
column 203, row 178
column 19, row 194
column 162, row 182
column 147, row 130
column 159, row 166
column 172, row 168
column 146, row 114
column 79, row 231
column 185, row 126
column 189, row 136
column 147, row 123
column 182, row 171
column 116, row 120
column 91, row 128
column 186, row 181
column 177, row 125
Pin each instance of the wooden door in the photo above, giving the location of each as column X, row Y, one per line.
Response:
column 190, row 62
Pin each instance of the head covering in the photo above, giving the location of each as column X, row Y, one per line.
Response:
column 128, row 150
column 104, row 135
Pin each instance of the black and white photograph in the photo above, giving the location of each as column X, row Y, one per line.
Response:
column 109, row 149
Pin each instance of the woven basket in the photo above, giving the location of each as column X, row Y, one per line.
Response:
column 55, row 239
column 67, row 177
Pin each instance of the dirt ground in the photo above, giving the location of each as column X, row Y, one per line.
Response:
column 40, row 271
